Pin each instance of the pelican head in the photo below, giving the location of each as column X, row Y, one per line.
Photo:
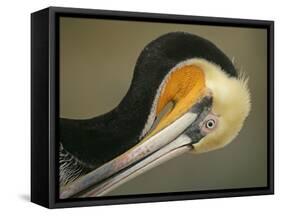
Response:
column 231, row 106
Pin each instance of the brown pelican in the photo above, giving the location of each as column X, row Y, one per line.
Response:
column 210, row 101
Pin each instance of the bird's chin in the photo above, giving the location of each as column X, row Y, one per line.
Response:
column 176, row 138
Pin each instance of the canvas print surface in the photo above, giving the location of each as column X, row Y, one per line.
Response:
column 151, row 108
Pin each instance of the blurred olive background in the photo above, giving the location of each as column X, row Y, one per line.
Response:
column 97, row 60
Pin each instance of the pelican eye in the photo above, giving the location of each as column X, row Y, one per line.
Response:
column 210, row 124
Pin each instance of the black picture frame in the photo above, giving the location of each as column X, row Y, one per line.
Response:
column 45, row 106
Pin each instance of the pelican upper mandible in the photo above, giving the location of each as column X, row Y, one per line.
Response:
column 210, row 102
